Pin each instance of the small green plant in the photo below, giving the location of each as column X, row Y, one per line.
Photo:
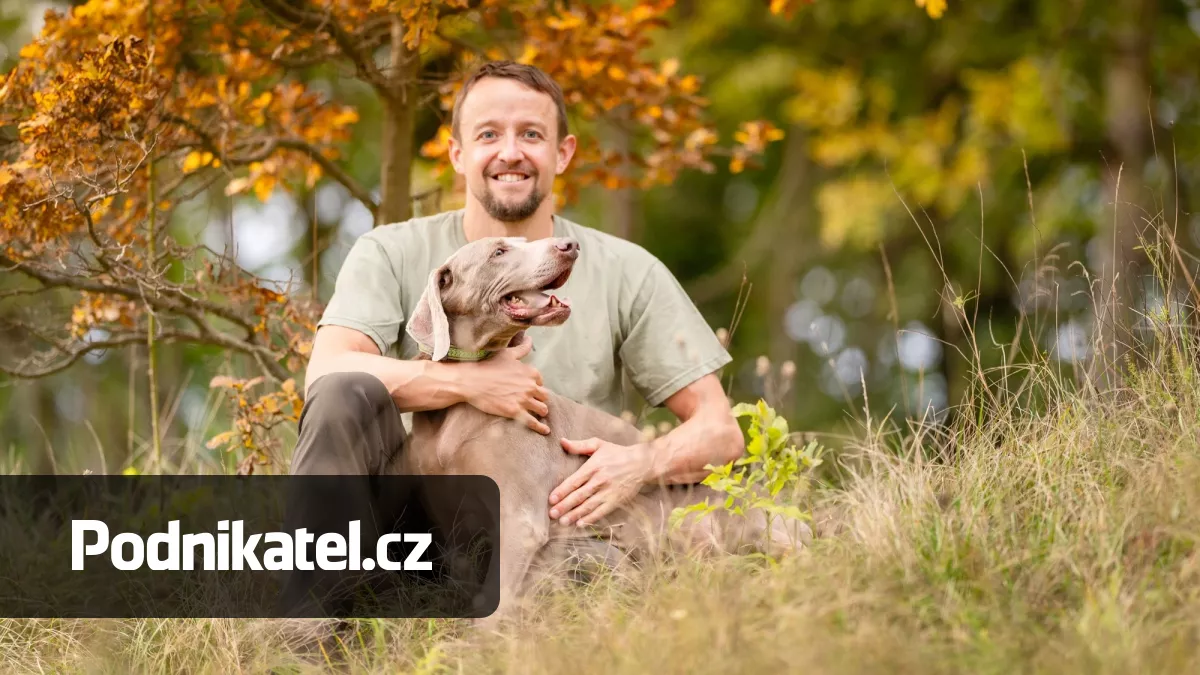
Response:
column 772, row 465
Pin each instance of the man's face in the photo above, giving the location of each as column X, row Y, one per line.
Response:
column 509, row 151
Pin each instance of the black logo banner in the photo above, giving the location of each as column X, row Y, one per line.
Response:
column 248, row 546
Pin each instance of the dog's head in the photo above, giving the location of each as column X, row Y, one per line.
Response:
column 492, row 289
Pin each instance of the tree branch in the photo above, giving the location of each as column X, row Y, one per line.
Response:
column 72, row 356
column 266, row 359
column 297, row 13
column 269, row 146
column 334, row 171
column 161, row 302
column 188, row 196
column 187, row 307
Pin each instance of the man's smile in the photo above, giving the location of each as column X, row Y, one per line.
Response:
column 511, row 177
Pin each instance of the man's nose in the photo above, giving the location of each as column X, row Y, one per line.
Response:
column 509, row 152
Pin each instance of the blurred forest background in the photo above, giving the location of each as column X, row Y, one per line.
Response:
column 877, row 171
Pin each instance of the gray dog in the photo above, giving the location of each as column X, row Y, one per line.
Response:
column 480, row 300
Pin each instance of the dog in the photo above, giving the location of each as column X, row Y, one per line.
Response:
column 480, row 300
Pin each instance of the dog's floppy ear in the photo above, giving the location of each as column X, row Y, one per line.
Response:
column 428, row 324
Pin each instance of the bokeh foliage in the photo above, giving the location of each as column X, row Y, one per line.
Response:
column 870, row 167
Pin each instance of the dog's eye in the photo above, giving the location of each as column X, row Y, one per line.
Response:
column 499, row 252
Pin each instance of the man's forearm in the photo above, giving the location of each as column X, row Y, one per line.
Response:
column 679, row 457
column 413, row 385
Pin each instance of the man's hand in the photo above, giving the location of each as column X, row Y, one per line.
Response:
column 607, row 480
column 614, row 474
column 503, row 386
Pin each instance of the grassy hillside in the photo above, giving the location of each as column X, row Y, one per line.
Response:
column 1056, row 538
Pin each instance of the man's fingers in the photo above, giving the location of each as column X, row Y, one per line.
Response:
column 571, row 484
column 570, row 504
column 536, row 406
column 533, row 423
column 585, row 447
column 596, row 513
column 541, row 393
column 587, row 508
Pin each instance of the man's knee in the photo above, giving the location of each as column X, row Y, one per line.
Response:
column 349, row 424
column 346, row 399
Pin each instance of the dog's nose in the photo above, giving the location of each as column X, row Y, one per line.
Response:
column 568, row 246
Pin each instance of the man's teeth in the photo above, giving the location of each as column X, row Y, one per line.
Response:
column 510, row 178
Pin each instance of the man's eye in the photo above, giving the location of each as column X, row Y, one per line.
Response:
column 487, row 134
column 534, row 134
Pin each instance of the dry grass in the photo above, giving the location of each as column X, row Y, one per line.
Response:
column 1058, row 542
column 1058, row 535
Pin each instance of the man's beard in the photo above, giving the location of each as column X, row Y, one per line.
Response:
column 507, row 212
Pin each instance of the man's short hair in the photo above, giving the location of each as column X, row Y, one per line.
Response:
column 527, row 75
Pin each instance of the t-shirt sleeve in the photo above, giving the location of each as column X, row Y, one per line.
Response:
column 366, row 295
column 668, row 344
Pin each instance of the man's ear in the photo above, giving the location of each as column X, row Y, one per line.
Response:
column 454, row 149
column 428, row 324
column 566, row 150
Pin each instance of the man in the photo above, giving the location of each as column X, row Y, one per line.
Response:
column 510, row 139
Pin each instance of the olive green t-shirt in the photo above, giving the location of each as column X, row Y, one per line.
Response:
column 628, row 312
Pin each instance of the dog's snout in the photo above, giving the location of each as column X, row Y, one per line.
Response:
column 568, row 246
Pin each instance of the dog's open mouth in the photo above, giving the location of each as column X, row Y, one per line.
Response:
column 539, row 306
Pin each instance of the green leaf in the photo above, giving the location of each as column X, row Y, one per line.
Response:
column 764, row 411
column 679, row 514
column 756, row 446
column 780, row 425
column 744, row 410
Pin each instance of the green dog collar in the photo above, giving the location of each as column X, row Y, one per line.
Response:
column 456, row 354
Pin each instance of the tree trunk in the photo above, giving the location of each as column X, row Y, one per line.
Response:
column 622, row 204
column 399, row 116
column 785, row 198
column 1128, row 129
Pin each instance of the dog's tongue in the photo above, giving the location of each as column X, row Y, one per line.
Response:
column 538, row 299
column 534, row 299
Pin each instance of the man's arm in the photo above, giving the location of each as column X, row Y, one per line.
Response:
column 414, row 385
column 707, row 434
column 502, row 385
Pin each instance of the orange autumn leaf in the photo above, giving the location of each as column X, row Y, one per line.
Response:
column 213, row 93
column 263, row 187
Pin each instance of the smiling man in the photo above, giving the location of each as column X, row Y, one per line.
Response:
column 510, row 140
